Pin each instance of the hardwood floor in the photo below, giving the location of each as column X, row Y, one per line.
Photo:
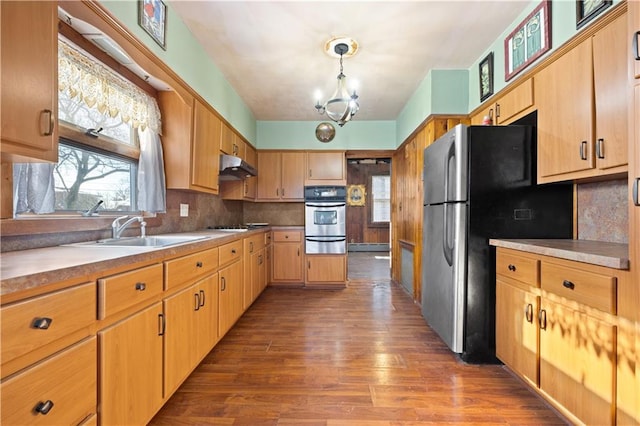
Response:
column 359, row 356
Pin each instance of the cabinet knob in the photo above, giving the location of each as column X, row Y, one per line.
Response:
column 41, row 323
column 141, row 286
column 568, row 284
column 512, row 267
column 198, row 264
column 233, row 251
column 43, row 407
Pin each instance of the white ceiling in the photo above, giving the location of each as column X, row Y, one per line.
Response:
column 271, row 52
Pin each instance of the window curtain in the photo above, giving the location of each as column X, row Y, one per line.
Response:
column 151, row 179
column 33, row 188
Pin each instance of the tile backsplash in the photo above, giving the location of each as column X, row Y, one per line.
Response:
column 603, row 211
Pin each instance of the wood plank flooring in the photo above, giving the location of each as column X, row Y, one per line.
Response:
column 359, row 356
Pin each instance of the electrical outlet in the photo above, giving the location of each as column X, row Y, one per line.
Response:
column 184, row 210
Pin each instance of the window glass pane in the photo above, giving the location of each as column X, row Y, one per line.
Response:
column 84, row 176
column 381, row 195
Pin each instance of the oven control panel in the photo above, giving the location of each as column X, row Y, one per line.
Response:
column 325, row 193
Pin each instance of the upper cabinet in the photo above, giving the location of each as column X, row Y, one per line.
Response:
column 191, row 136
column 231, row 143
column 281, row 175
column 517, row 102
column 582, row 108
column 325, row 168
column 29, row 81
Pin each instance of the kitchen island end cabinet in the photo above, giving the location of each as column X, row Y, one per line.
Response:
column 557, row 328
column 29, row 81
column 287, row 256
column 326, row 271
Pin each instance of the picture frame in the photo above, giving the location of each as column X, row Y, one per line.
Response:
column 528, row 41
column 152, row 17
column 586, row 10
column 485, row 70
column 356, row 195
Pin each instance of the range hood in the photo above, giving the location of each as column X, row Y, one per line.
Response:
column 235, row 168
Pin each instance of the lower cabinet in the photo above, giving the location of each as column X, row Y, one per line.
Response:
column 191, row 330
column 230, row 297
column 326, row 270
column 556, row 328
column 131, row 368
column 61, row 390
column 287, row 255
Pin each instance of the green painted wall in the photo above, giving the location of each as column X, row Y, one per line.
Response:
column 188, row 59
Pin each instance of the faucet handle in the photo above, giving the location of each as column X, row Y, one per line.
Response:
column 116, row 221
column 143, row 229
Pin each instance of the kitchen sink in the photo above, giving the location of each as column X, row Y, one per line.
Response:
column 152, row 241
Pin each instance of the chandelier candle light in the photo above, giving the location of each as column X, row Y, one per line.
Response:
column 342, row 106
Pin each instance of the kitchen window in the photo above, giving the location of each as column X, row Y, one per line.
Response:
column 108, row 143
column 380, row 200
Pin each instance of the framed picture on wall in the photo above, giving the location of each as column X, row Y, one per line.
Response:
column 528, row 41
column 356, row 195
column 486, row 77
column 152, row 17
column 586, row 10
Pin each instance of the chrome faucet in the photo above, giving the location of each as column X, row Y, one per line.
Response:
column 117, row 229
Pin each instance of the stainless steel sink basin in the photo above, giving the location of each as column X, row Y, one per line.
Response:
column 152, row 241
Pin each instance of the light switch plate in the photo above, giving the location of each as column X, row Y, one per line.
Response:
column 184, row 210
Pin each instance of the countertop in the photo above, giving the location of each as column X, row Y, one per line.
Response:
column 611, row 255
column 26, row 273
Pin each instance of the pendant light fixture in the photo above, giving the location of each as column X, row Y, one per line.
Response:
column 342, row 106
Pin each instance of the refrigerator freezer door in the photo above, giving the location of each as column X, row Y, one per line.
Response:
column 444, row 272
column 445, row 167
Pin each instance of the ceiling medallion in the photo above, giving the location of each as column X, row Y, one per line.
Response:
column 325, row 132
column 342, row 106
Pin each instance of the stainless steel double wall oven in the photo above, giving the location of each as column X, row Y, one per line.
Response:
column 325, row 219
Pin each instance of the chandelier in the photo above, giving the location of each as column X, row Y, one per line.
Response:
column 342, row 106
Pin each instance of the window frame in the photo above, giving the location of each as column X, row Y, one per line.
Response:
column 370, row 221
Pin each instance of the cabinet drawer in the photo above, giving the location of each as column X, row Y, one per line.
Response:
column 253, row 244
column 24, row 324
column 286, row 236
column 517, row 267
column 122, row 291
column 588, row 288
column 230, row 252
column 67, row 382
column 188, row 268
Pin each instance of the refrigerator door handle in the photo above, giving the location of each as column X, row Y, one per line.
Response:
column 447, row 249
column 450, row 154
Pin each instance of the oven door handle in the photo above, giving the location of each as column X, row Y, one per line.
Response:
column 325, row 205
column 325, row 241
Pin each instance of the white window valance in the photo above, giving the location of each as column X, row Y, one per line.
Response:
column 99, row 87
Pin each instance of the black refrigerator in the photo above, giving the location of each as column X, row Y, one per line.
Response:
column 479, row 183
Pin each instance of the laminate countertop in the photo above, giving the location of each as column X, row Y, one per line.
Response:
column 611, row 255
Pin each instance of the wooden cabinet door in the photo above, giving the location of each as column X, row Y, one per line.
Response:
column 292, row 169
column 634, row 32
column 269, row 179
column 179, row 337
column 326, row 269
column 206, row 318
column 577, row 362
column 287, row 262
column 325, row 168
column 230, row 297
column 205, row 152
column 517, row 100
column 29, row 80
column 131, row 379
column 517, row 330
column 226, row 139
column 564, row 98
column 611, row 91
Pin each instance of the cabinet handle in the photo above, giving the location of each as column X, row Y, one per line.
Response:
column 223, row 284
column 161, row 325
column 260, row 260
column 634, row 42
column 141, row 286
column 511, row 267
column 41, row 323
column 43, row 407
column 283, row 192
column 198, row 264
column 583, row 150
column 49, row 113
column 497, row 112
column 542, row 319
column 600, row 148
column 201, row 298
column 298, row 251
column 250, row 246
column 568, row 284
column 529, row 313
column 636, row 183
column 491, row 115
column 308, row 264
column 197, row 300
column 310, row 172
